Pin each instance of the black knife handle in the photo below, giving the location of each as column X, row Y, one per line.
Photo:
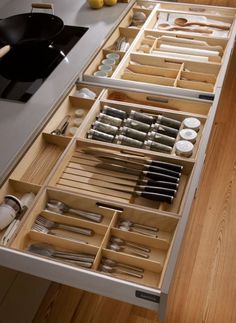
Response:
column 170, row 166
column 151, row 182
column 155, row 196
column 157, row 169
column 156, row 189
column 160, row 177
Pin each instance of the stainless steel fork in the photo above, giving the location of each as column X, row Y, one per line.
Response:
column 40, row 228
column 54, row 225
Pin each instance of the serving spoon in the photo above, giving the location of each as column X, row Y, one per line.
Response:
column 185, row 22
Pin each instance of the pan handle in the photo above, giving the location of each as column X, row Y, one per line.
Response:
column 42, row 6
column 4, row 50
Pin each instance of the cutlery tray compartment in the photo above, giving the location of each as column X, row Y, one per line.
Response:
column 155, row 238
column 147, row 68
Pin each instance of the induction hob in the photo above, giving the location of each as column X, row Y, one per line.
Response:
column 24, row 69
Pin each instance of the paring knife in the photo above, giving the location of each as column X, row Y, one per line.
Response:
column 148, row 174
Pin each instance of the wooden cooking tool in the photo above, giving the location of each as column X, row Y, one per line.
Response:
column 168, row 27
column 4, row 50
column 184, row 22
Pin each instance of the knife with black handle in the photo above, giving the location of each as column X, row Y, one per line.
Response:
column 157, row 169
column 164, row 184
column 167, row 165
column 156, row 189
column 155, row 196
column 160, row 177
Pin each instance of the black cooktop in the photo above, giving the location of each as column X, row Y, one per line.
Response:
column 24, row 69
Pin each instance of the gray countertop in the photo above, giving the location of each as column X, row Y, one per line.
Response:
column 21, row 122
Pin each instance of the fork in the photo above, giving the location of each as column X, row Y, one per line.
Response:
column 84, row 260
column 54, row 225
column 40, row 228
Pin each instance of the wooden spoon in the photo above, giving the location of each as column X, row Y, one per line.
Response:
column 4, row 50
column 184, row 22
column 166, row 26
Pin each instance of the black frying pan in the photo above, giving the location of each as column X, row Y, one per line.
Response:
column 30, row 27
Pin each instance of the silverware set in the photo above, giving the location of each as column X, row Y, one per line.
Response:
column 62, row 208
column 79, row 259
column 110, row 266
column 127, row 225
column 117, row 244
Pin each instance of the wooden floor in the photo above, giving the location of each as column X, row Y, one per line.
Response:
column 204, row 288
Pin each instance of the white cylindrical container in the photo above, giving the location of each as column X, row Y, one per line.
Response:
column 114, row 56
column 188, row 134
column 192, row 123
column 184, row 148
column 106, row 68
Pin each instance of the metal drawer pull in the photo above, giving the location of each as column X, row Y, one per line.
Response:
column 41, row 229
column 54, row 225
column 46, row 250
column 61, row 208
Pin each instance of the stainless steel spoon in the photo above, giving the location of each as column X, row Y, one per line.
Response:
column 60, row 207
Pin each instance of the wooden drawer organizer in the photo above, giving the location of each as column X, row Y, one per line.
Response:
column 185, row 62
column 65, row 167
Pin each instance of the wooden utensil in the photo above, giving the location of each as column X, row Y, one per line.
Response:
column 168, row 27
column 183, row 22
column 4, row 50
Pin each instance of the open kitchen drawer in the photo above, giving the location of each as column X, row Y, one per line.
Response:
column 128, row 231
column 187, row 60
column 117, row 208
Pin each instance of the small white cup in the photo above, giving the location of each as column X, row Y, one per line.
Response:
column 100, row 74
column 114, row 56
column 106, row 68
column 109, row 61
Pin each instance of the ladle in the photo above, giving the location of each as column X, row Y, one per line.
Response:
column 185, row 22
column 168, row 27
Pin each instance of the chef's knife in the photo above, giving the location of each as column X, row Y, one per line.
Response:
column 148, row 174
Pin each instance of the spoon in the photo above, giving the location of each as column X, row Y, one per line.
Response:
column 185, row 22
column 121, row 242
column 60, row 207
column 168, row 27
column 129, row 250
